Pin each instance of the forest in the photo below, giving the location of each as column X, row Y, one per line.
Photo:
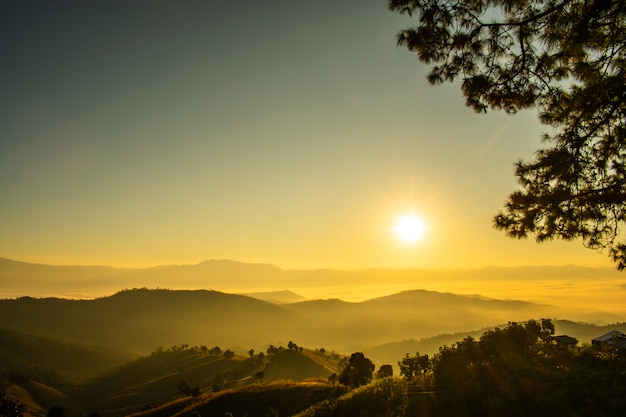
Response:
column 519, row 369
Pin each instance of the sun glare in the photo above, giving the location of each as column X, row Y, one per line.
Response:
column 410, row 228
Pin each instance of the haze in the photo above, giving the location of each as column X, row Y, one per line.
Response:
column 575, row 293
column 291, row 133
column 220, row 200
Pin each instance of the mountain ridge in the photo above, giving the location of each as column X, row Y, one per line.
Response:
column 142, row 319
column 18, row 278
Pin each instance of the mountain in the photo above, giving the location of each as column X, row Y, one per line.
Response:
column 21, row 278
column 408, row 314
column 141, row 320
column 583, row 294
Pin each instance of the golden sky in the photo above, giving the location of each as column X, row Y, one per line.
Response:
column 286, row 132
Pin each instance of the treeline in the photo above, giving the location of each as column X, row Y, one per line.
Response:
column 519, row 370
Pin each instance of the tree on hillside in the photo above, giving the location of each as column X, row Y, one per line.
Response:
column 356, row 370
column 412, row 366
column 385, row 371
column 518, row 370
column 566, row 59
column 517, row 339
column 515, row 346
column 216, row 351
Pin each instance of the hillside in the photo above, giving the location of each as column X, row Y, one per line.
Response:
column 141, row 320
column 161, row 378
column 392, row 351
column 32, row 354
column 283, row 399
column 184, row 379
column 405, row 315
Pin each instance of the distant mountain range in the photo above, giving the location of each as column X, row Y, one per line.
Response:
column 343, row 310
column 142, row 319
column 38, row 280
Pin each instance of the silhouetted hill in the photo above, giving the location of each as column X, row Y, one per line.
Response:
column 409, row 314
column 585, row 294
column 143, row 319
column 299, row 365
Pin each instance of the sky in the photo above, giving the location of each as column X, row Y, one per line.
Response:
column 140, row 133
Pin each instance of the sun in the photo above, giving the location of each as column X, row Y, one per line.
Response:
column 410, row 228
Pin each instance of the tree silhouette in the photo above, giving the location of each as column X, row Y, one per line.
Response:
column 412, row 366
column 356, row 371
column 566, row 58
column 384, row 371
column 216, row 350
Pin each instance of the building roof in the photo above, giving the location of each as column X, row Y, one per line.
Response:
column 613, row 338
column 565, row 339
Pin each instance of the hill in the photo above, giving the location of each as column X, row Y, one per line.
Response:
column 30, row 355
column 183, row 379
column 166, row 376
column 393, row 351
column 408, row 314
column 281, row 399
column 141, row 320
column 584, row 294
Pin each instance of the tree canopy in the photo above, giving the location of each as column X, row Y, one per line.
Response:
column 356, row 370
column 564, row 58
